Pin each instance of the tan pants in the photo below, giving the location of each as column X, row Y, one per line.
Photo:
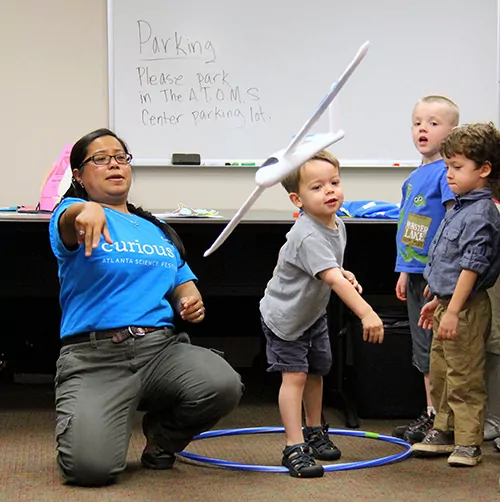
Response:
column 457, row 372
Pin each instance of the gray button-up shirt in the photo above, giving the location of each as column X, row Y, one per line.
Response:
column 467, row 239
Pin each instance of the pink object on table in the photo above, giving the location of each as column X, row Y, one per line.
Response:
column 51, row 189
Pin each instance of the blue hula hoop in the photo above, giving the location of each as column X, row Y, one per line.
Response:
column 273, row 430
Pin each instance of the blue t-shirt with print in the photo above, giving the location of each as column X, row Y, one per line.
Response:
column 425, row 193
column 126, row 283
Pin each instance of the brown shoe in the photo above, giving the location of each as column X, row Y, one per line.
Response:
column 465, row 456
column 435, row 443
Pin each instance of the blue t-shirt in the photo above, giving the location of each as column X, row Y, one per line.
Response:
column 425, row 193
column 126, row 283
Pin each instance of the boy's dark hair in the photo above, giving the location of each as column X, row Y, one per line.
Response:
column 479, row 142
column 292, row 181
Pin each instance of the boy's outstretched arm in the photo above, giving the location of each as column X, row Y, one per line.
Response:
column 373, row 329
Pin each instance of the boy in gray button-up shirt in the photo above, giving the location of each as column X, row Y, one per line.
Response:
column 294, row 311
column 464, row 261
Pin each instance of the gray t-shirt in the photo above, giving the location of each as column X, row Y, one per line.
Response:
column 295, row 297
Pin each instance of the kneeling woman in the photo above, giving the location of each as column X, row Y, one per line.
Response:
column 123, row 274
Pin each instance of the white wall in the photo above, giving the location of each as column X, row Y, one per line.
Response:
column 54, row 90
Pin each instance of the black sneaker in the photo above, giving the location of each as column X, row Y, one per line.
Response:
column 465, row 456
column 154, row 456
column 321, row 445
column 300, row 463
column 399, row 430
column 435, row 443
column 417, row 433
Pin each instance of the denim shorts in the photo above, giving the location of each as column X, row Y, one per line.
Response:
column 421, row 339
column 311, row 353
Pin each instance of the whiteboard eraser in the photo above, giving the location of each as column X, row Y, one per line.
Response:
column 186, row 159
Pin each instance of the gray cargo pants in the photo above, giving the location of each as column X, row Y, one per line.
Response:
column 100, row 384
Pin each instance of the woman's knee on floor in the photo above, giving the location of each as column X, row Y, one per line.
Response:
column 88, row 471
column 87, row 459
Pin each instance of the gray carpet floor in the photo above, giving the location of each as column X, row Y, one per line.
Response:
column 28, row 471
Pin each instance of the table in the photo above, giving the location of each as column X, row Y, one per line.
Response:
column 232, row 279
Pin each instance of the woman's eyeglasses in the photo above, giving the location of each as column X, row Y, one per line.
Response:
column 101, row 159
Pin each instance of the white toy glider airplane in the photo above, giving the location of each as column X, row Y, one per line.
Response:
column 300, row 149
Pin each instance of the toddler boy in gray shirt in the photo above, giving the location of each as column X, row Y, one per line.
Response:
column 293, row 311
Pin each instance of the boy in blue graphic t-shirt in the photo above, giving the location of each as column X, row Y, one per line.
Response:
column 425, row 198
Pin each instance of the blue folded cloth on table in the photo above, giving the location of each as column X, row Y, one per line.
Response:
column 375, row 209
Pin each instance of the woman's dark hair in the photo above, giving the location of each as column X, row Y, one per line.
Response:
column 79, row 154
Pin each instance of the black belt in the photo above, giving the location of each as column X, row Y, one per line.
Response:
column 117, row 335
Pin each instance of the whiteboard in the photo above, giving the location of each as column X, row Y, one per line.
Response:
column 234, row 80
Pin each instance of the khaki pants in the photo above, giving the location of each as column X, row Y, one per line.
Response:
column 457, row 372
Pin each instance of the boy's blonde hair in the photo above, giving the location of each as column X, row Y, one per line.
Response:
column 436, row 98
column 479, row 142
column 292, row 181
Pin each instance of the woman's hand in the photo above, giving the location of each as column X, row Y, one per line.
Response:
column 192, row 309
column 90, row 224
column 187, row 301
